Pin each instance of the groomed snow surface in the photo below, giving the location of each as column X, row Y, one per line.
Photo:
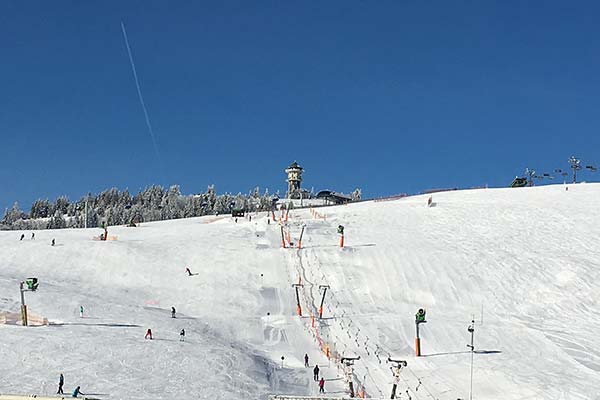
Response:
column 524, row 263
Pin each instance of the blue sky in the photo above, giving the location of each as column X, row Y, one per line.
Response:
column 388, row 96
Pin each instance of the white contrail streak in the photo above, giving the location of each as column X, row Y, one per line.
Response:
column 139, row 90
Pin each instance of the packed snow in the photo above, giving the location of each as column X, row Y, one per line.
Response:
column 522, row 263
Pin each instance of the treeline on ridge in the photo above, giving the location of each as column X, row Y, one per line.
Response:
column 115, row 207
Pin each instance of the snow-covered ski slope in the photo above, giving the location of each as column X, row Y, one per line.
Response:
column 523, row 262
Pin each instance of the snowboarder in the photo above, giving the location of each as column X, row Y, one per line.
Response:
column 306, row 360
column 188, row 271
column 322, row 385
column 22, row 236
column 173, row 312
column 182, row 335
column 77, row 391
column 80, row 311
column 148, row 334
column 53, row 242
column 32, row 235
column 316, row 373
column 61, row 382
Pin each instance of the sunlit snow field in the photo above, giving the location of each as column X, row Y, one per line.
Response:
column 524, row 263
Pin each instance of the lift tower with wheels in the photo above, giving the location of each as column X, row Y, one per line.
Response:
column 348, row 363
column 398, row 364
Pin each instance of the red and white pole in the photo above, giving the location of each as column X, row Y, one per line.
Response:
column 282, row 238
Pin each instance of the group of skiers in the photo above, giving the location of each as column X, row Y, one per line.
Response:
column 181, row 335
column 316, row 371
column 173, row 315
column 61, row 382
column 33, row 237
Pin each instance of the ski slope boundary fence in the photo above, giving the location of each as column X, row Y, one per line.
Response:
column 35, row 396
column 295, row 397
column 8, row 318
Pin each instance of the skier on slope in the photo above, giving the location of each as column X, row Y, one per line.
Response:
column 322, row 385
column 182, row 335
column 173, row 312
column 306, row 360
column 316, row 373
column 22, row 236
column 188, row 271
column 53, row 242
column 148, row 334
column 80, row 311
column 77, row 392
column 32, row 235
column 61, row 382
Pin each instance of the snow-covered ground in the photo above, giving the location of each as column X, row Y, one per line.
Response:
column 524, row 263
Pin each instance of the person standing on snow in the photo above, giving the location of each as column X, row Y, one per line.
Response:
column 188, row 271
column 306, row 360
column 32, row 235
column 80, row 311
column 22, row 236
column 182, row 335
column 322, row 385
column 172, row 312
column 316, row 373
column 148, row 334
column 53, row 242
column 61, row 382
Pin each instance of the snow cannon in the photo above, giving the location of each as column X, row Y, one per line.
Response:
column 420, row 316
column 519, row 182
column 340, row 230
column 32, row 284
column 419, row 319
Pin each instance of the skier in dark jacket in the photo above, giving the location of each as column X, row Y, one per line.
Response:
column 61, row 382
column 77, row 392
column 316, row 373
column 306, row 360
column 182, row 335
column 22, row 236
column 173, row 312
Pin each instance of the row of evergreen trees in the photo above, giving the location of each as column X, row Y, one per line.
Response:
column 115, row 207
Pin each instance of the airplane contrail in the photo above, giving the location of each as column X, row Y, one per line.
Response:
column 139, row 90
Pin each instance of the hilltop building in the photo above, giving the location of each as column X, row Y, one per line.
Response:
column 294, row 178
